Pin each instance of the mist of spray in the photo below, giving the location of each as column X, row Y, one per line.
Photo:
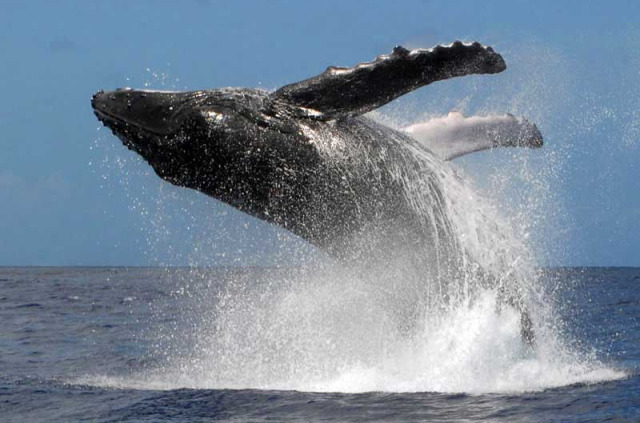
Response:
column 328, row 326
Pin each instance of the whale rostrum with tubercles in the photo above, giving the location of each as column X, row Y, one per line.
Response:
column 304, row 157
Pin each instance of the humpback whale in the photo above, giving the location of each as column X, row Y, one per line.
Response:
column 304, row 157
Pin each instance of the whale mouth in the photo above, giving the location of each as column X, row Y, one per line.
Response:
column 109, row 120
column 152, row 112
column 121, row 127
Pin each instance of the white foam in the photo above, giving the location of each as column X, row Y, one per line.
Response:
column 314, row 340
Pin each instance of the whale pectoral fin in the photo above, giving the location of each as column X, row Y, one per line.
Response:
column 342, row 92
column 455, row 135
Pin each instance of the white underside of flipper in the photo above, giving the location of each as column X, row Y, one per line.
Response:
column 455, row 135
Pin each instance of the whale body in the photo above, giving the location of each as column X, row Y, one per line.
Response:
column 306, row 159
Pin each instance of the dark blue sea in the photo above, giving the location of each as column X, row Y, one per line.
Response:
column 199, row 345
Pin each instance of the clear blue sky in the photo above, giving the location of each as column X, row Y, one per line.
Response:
column 71, row 195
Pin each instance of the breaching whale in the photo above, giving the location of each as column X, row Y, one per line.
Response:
column 304, row 157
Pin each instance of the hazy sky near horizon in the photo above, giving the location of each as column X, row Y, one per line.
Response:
column 70, row 194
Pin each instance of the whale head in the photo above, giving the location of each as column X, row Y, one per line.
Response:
column 220, row 142
column 145, row 119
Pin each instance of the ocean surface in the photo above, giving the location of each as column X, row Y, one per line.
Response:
column 144, row 345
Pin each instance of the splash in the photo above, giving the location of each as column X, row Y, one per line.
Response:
column 344, row 327
column 332, row 327
column 324, row 329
